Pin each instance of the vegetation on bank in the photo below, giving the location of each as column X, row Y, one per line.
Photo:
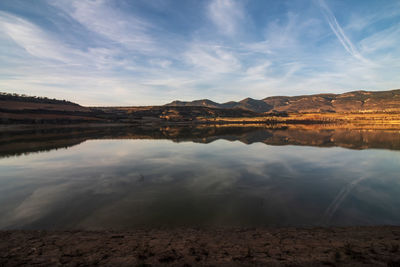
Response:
column 318, row 118
column 33, row 99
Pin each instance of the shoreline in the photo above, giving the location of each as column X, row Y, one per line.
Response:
column 332, row 246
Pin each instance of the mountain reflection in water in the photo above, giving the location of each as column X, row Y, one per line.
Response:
column 125, row 177
column 15, row 142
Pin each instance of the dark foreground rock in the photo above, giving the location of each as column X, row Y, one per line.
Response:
column 351, row 246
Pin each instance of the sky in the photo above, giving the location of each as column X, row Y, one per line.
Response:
column 142, row 52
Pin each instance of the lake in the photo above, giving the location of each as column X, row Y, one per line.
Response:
column 125, row 178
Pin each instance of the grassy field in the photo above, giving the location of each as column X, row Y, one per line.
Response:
column 374, row 120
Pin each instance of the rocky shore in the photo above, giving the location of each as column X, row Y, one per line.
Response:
column 349, row 246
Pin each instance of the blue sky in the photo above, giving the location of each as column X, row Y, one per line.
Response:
column 120, row 52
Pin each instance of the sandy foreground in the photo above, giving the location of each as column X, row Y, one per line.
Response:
column 350, row 246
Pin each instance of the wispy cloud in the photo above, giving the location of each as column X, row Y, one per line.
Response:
column 31, row 38
column 385, row 40
column 213, row 59
column 226, row 15
column 100, row 17
column 42, row 45
column 258, row 72
column 338, row 31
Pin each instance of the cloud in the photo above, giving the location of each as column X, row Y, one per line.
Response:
column 338, row 31
column 100, row 17
column 42, row 45
column 361, row 21
column 226, row 15
column 385, row 40
column 163, row 63
column 31, row 38
column 257, row 72
column 212, row 59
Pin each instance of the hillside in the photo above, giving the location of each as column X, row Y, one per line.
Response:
column 370, row 107
column 357, row 101
column 16, row 109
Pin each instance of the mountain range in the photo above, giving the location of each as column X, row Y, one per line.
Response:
column 356, row 101
column 17, row 109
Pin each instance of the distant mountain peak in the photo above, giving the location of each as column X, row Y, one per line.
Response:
column 325, row 102
column 248, row 99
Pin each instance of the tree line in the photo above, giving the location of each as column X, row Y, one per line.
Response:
column 35, row 99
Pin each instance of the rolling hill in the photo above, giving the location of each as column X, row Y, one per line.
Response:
column 320, row 108
column 356, row 101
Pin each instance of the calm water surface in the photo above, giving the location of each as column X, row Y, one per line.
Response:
column 129, row 183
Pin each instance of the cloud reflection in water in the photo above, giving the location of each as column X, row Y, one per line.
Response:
column 123, row 184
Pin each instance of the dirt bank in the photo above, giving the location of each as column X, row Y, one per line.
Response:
column 354, row 246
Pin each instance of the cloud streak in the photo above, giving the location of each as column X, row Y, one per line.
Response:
column 338, row 31
column 101, row 18
column 31, row 38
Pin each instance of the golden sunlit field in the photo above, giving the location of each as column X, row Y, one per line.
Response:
column 348, row 120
